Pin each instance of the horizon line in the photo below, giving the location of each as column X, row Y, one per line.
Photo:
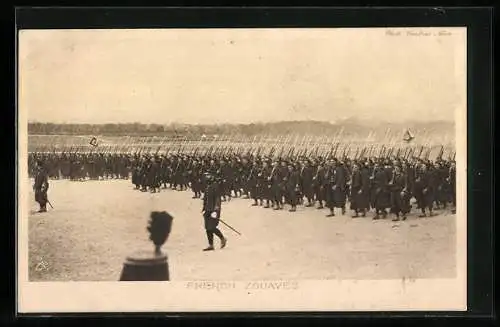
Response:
column 340, row 121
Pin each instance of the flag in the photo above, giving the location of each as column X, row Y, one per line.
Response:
column 408, row 136
column 93, row 141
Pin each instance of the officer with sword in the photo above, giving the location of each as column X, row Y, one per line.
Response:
column 211, row 212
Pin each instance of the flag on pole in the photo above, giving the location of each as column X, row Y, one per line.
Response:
column 93, row 142
column 408, row 136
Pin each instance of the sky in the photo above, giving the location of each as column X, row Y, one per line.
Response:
column 205, row 76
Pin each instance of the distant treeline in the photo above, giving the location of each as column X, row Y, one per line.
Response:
column 350, row 127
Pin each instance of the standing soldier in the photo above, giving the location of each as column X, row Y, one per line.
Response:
column 41, row 186
column 211, row 212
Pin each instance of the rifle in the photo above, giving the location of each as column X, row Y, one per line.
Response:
column 421, row 149
column 440, row 155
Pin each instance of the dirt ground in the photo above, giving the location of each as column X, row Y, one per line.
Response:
column 94, row 225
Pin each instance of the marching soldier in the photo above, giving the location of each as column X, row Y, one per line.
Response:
column 306, row 183
column 360, row 190
column 266, row 185
column 341, row 186
column 452, row 182
column 254, row 183
column 424, row 185
column 292, row 187
column 211, row 213
column 400, row 201
column 195, row 174
column 319, row 184
column 380, row 192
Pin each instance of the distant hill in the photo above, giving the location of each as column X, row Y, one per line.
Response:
column 348, row 127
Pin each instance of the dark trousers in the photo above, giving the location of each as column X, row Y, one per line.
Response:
column 211, row 228
column 41, row 198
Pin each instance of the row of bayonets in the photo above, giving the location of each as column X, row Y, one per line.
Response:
column 283, row 146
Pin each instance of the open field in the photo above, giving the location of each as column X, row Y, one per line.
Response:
column 95, row 225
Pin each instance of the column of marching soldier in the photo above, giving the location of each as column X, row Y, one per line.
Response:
column 383, row 185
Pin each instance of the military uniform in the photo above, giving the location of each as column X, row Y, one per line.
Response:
column 360, row 191
column 380, row 193
column 211, row 213
column 306, row 184
column 400, row 199
column 292, row 187
column 41, row 186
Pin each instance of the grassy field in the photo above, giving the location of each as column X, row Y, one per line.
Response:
column 95, row 225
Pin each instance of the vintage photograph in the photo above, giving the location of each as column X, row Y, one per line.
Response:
column 233, row 155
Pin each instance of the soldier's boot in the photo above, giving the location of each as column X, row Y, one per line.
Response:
column 223, row 242
column 377, row 215
column 384, row 214
column 332, row 213
column 43, row 208
column 363, row 213
column 293, row 209
column 320, row 205
column 255, row 203
column 422, row 215
column 356, row 215
column 396, row 218
column 431, row 213
column 210, row 237
column 343, row 211
column 403, row 216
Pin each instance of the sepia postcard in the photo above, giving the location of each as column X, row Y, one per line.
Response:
column 223, row 170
